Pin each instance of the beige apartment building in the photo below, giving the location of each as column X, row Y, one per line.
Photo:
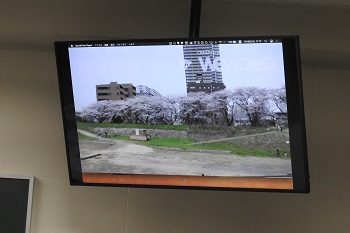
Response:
column 115, row 91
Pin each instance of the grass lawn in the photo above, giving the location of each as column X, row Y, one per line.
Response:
column 237, row 149
column 187, row 144
column 84, row 137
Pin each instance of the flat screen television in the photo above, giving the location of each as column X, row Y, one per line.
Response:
column 191, row 113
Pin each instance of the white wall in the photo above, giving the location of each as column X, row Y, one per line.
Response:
column 31, row 138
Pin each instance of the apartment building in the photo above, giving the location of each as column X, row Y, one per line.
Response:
column 115, row 91
column 144, row 90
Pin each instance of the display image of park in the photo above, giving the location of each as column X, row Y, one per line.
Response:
column 192, row 110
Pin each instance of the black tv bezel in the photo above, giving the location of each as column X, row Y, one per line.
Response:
column 294, row 91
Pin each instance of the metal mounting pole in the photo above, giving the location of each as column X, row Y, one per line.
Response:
column 195, row 18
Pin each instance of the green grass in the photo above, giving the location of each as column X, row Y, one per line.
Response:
column 118, row 137
column 168, row 142
column 84, row 137
column 187, row 144
column 237, row 149
column 228, row 131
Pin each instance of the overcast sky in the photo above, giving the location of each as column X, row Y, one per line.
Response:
column 162, row 68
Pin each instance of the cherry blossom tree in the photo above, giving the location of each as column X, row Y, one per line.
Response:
column 171, row 108
column 198, row 108
column 279, row 98
column 149, row 109
column 145, row 109
column 98, row 111
column 121, row 111
column 254, row 101
column 193, row 108
column 221, row 105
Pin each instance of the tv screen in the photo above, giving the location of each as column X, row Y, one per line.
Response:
column 196, row 113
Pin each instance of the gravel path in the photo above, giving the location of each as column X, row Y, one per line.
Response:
column 115, row 156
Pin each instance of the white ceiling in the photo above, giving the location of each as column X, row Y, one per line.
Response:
column 327, row 3
column 40, row 22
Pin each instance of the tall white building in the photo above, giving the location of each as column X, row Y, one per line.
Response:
column 203, row 68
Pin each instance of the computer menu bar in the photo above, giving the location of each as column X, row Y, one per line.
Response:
column 173, row 42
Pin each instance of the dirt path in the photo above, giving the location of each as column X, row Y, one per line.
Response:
column 115, row 156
